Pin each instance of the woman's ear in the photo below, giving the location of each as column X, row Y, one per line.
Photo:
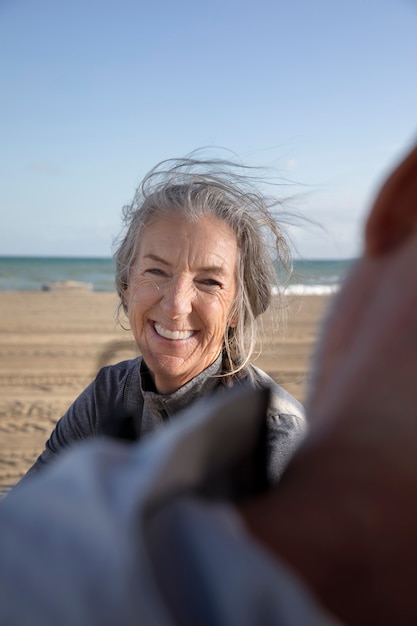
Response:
column 394, row 215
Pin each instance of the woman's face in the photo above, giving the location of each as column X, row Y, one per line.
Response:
column 182, row 286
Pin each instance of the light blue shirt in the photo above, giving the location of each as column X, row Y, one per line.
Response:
column 146, row 533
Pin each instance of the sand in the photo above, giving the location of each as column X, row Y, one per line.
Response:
column 52, row 344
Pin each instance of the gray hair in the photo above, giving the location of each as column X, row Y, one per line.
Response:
column 230, row 192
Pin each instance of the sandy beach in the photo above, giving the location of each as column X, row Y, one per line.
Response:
column 52, row 344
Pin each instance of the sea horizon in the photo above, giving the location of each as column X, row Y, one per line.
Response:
column 34, row 273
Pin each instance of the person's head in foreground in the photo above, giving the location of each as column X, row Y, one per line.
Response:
column 195, row 268
column 344, row 515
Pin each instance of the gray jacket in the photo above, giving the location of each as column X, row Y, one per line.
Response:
column 122, row 402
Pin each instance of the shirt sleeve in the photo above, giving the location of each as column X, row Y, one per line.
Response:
column 285, row 432
column 89, row 414
column 286, row 425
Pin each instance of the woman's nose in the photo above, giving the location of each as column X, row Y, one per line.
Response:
column 177, row 298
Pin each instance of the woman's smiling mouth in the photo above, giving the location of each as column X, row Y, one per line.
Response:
column 172, row 334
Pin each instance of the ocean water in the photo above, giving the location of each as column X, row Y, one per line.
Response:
column 317, row 277
column 35, row 273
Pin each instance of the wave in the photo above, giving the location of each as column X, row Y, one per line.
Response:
column 308, row 290
column 312, row 290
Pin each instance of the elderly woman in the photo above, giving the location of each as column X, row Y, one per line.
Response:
column 193, row 272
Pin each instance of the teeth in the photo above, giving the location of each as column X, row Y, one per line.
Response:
column 172, row 334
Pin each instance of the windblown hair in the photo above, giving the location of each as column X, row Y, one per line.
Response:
column 230, row 192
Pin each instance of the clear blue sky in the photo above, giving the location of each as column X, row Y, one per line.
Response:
column 96, row 92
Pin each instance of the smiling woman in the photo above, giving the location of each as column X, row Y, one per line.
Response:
column 180, row 301
column 194, row 270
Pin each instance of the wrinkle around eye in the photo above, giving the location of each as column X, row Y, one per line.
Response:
column 154, row 271
column 210, row 285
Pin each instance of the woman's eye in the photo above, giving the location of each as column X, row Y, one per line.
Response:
column 210, row 282
column 155, row 271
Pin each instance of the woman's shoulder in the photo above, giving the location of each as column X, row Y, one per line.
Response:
column 117, row 393
column 117, row 371
column 282, row 402
column 113, row 380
